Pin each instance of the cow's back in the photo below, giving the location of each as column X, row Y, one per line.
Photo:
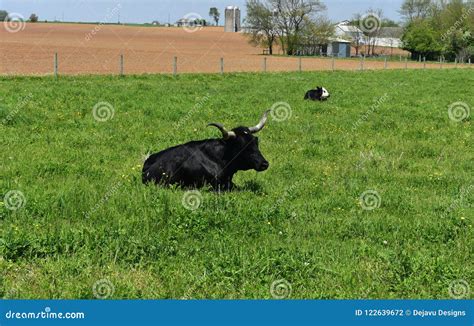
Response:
column 176, row 165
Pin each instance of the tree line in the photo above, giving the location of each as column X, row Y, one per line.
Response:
column 5, row 16
column 439, row 28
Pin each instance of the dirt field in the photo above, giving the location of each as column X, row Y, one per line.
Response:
column 96, row 49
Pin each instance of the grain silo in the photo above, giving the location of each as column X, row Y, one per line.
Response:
column 232, row 19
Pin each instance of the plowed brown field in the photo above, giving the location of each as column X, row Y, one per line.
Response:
column 147, row 50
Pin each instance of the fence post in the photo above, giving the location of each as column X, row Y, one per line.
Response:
column 265, row 64
column 121, row 64
column 55, row 64
column 300, row 65
column 406, row 63
column 456, row 63
column 222, row 65
column 385, row 64
column 333, row 63
column 424, row 63
column 175, row 66
column 469, row 61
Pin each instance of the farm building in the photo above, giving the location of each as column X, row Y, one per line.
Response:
column 232, row 19
column 339, row 48
column 334, row 47
column 387, row 37
column 184, row 22
column 346, row 31
column 390, row 37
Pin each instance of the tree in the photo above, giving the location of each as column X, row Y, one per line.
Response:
column 3, row 15
column 261, row 22
column 33, row 18
column 214, row 14
column 285, row 20
column 386, row 22
column 200, row 22
column 321, row 30
column 455, row 18
column 315, row 33
column 420, row 38
column 370, row 24
column 291, row 17
column 448, row 26
column 415, row 9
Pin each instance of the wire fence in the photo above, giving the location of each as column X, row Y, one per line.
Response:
column 143, row 63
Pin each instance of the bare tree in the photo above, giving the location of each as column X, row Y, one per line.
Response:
column 357, row 37
column 315, row 33
column 370, row 24
column 291, row 17
column 261, row 24
column 415, row 9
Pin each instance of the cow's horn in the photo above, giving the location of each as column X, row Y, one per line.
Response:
column 261, row 124
column 225, row 134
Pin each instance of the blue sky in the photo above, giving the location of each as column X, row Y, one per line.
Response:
column 139, row 11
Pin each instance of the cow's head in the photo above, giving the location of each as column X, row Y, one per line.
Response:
column 322, row 93
column 243, row 146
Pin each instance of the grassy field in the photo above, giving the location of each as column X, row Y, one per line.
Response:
column 368, row 195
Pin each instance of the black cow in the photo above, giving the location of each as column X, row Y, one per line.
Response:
column 318, row 94
column 208, row 162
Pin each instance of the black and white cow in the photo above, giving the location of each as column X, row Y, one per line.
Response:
column 318, row 94
column 208, row 162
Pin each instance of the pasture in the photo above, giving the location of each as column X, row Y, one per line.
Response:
column 96, row 49
column 368, row 195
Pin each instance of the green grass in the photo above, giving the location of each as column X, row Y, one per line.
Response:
column 88, row 217
column 381, row 58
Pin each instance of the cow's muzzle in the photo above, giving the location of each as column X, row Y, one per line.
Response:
column 263, row 166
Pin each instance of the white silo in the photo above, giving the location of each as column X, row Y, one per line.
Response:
column 232, row 19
